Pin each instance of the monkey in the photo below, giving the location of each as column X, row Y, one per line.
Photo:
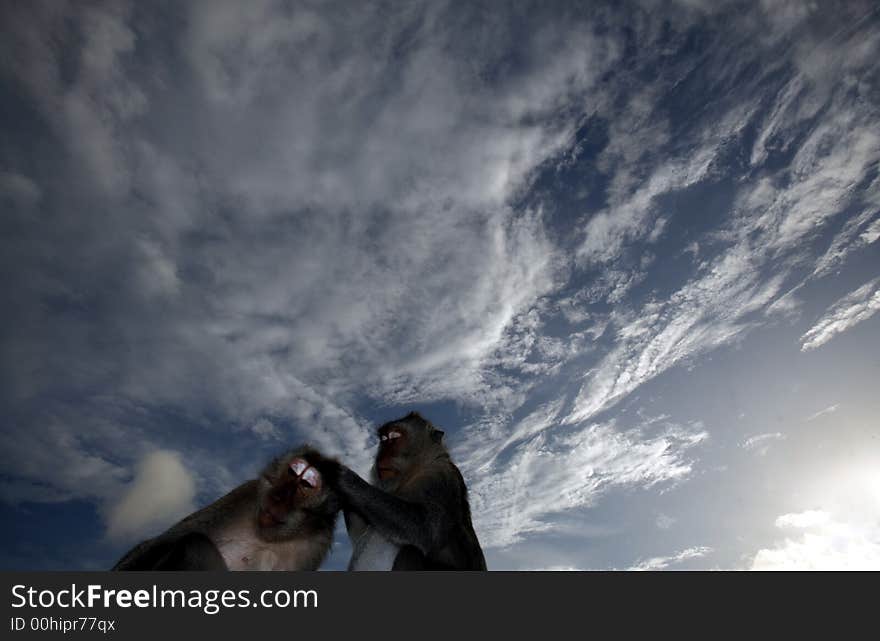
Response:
column 283, row 520
column 415, row 515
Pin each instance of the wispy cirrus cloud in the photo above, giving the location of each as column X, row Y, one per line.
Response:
column 706, row 313
column 663, row 562
column 824, row 412
column 768, row 226
column 857, row 233
column 554, row 472
column 857, row 306
column 761, row 443
column 261, row 236
column 257, row 225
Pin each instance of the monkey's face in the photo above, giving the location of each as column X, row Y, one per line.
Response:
column 291, row 489
column 403, row 444
column 395, row 446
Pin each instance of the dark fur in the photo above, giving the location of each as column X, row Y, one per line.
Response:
column 423, row 507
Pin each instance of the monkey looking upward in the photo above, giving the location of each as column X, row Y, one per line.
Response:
column 283, row 520
column 416, row 514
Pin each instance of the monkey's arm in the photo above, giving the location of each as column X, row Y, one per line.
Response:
column 354, row 524
column 404, row 522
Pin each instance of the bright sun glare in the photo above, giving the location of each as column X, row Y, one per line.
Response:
column 841, row 530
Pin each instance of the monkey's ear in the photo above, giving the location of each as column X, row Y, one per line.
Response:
column 437, row 435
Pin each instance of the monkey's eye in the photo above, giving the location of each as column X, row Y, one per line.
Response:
column 382, row 437
column 393, row 435
column 297, row 466
column 312, row 478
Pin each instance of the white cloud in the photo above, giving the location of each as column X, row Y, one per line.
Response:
column 705, row 313
column 826, row 170
column 161, row 493
column 266, row 430
column 787, row 305
column 852, row 309
column 633, row 217
column 858, row 232
column 715, row 306
column 552, row 473
column 663, row 562
column 312, row 207
column 783, row 115
column 872, row 233
column 90, row 110
column 262, row 233
column 156, row 274
column 825, row 544
column 664, row 521
column 769, row 227
column 51, row 461
column 806, row 519
column 761, row 443
column 338, row 87
column 824, row 412
column 841, row 529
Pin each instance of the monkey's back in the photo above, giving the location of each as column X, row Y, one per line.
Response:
column 463, row 550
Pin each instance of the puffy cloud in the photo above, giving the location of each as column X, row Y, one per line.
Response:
column 162, row 492
column 824, row 544
column 841, row 531
column 801, row 520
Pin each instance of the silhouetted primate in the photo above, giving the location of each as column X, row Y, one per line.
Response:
column 282, row 521
column 416, row 515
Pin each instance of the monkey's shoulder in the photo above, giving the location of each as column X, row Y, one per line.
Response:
column 439, row 480
column 215, row 514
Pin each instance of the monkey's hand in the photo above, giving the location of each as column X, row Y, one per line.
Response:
column 330, row 470
column 340, row 479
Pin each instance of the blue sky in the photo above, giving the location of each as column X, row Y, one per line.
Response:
column 625, row 255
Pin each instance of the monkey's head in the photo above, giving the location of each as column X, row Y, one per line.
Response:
column 404, row 445
column 293, row 497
